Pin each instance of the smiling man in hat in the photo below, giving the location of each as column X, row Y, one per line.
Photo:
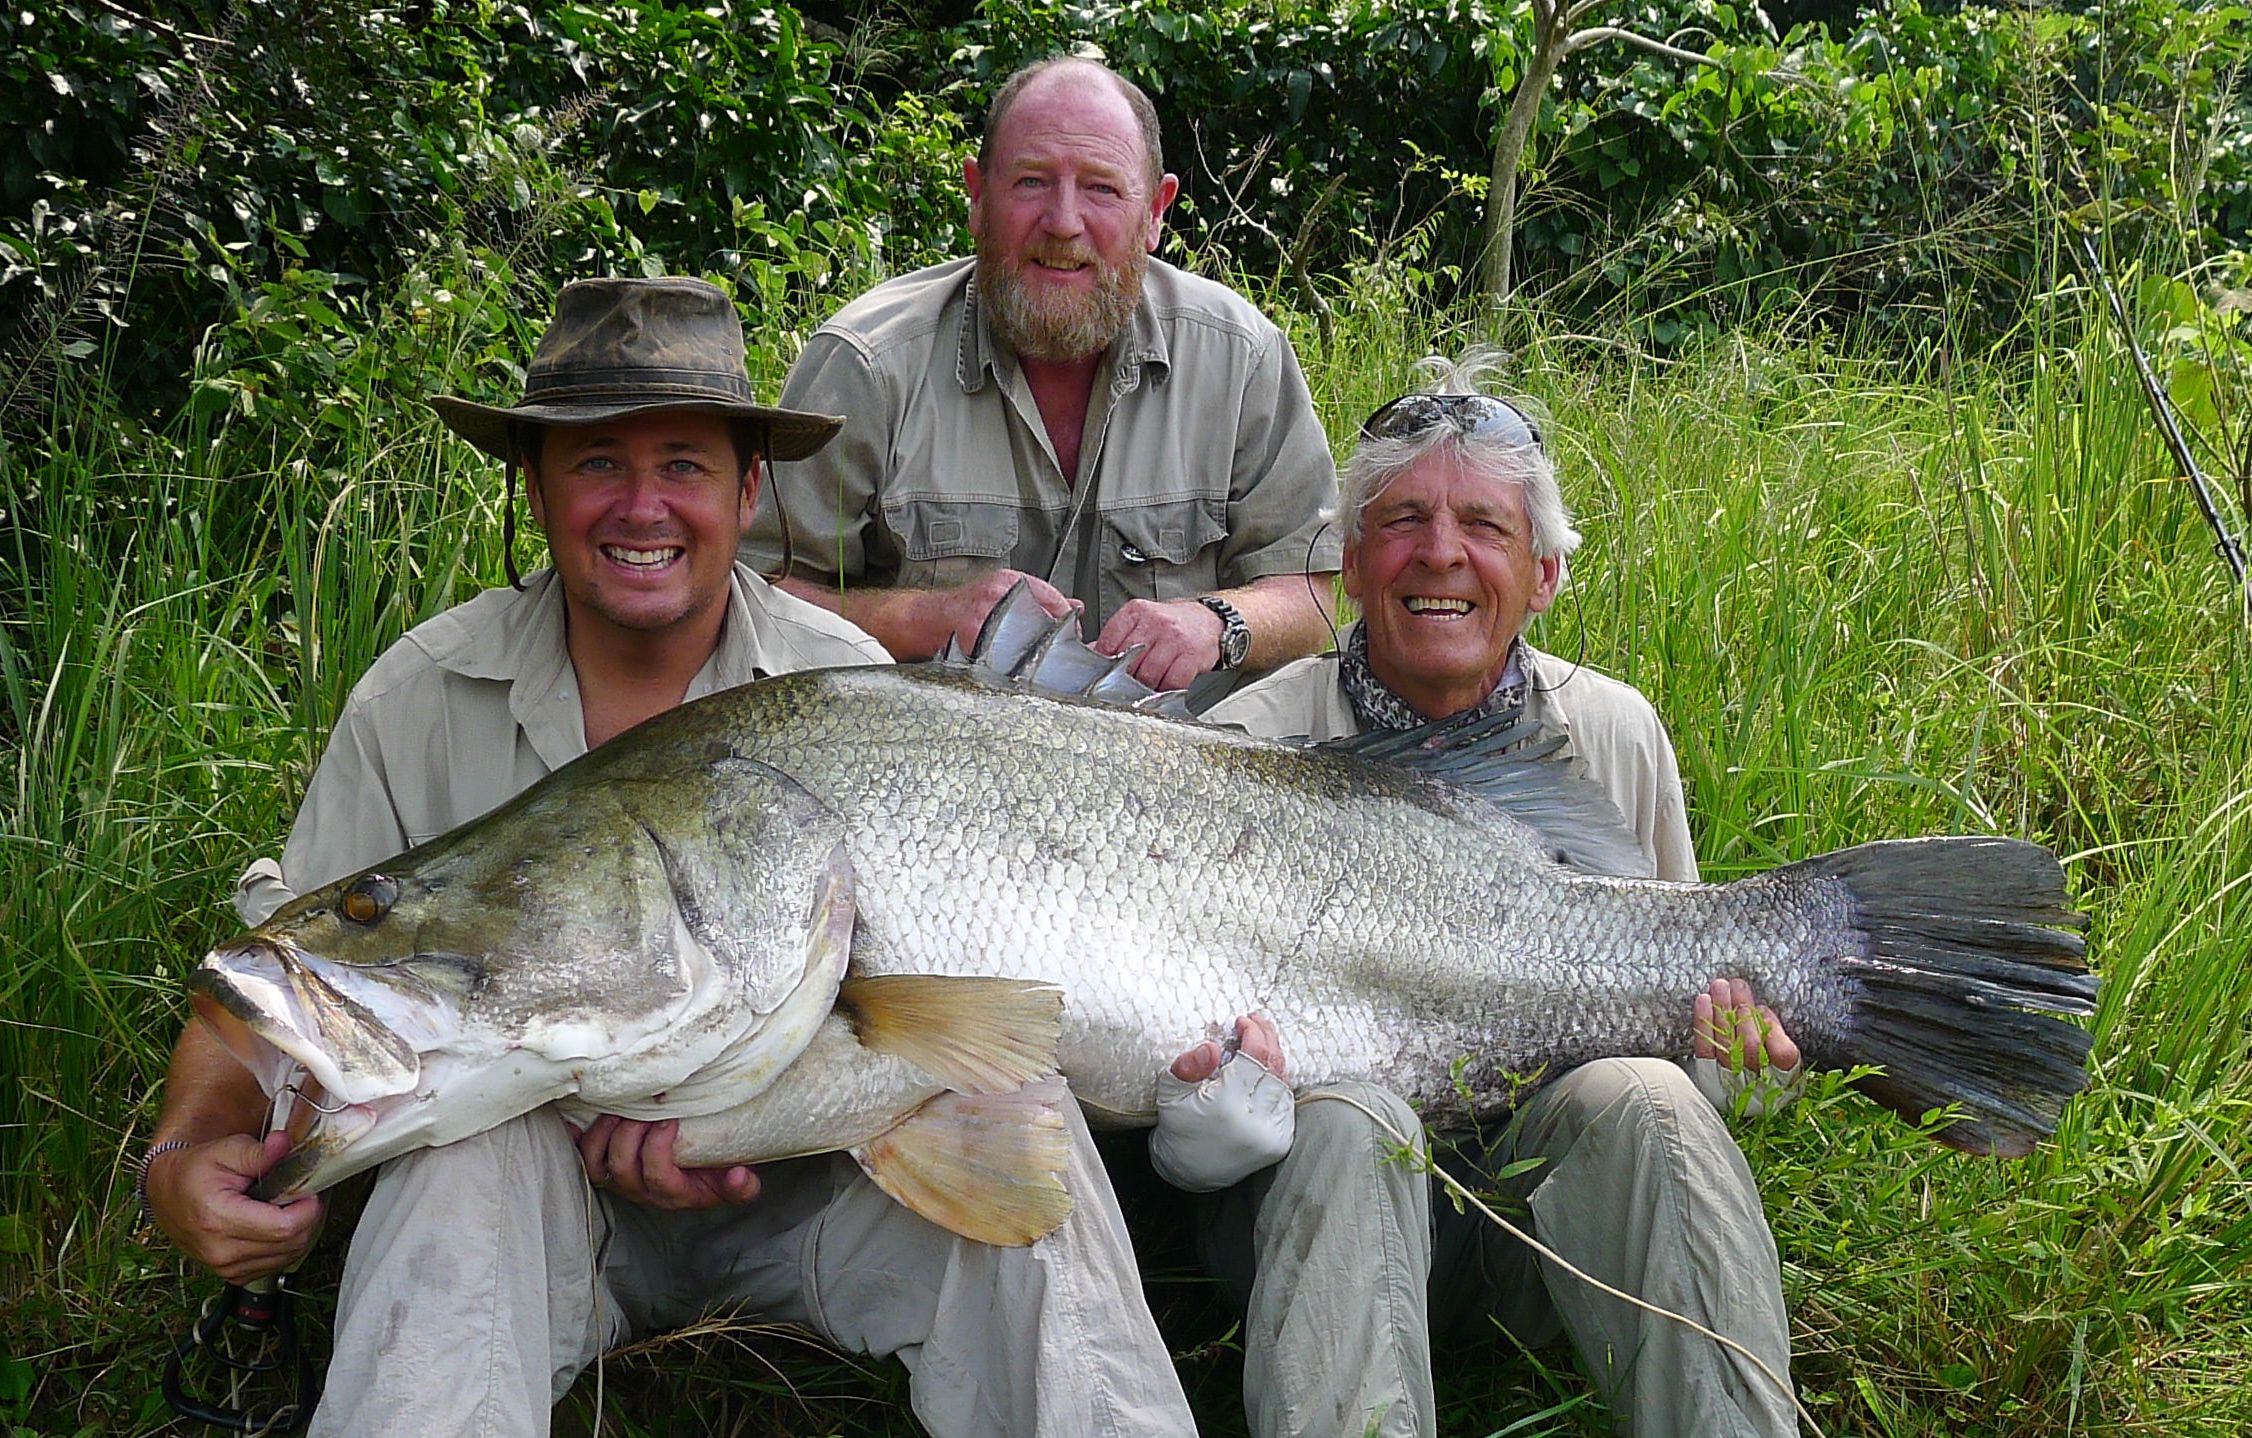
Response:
column 484, row 1275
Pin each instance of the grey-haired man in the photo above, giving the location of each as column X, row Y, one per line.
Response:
column 485, row 1274
column 1456, row 535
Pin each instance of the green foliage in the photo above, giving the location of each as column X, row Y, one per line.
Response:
column 1864, row 175
column 1873, row 175
column 1872, row 598
column 195, row 163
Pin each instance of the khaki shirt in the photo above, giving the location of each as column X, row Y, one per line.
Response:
column 476, row 704
column 1611, row 727
column 1202, row 466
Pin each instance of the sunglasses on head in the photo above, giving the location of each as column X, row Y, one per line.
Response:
column 1478, row 416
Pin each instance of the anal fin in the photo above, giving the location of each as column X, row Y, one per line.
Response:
column 979, row 1035
column 986, row 1166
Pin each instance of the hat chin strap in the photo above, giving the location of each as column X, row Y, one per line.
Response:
column 508, row 516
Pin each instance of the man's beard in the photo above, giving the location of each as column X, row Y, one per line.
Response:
column 1056, row 325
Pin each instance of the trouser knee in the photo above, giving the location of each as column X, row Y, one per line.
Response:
column 1634, row 1095
column 1355, row 1114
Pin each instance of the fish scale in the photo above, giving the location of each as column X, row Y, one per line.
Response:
column 1457, row 932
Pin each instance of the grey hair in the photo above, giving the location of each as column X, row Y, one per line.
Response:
column 1377, row 463
column 1145, row 113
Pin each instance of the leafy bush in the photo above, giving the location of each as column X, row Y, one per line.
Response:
column 1856, row 174
column 203, row 156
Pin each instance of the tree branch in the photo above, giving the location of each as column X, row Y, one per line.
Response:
column 1599, row 33
column 1578, row 10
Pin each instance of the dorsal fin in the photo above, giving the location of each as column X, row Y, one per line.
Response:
column 1023, row 642
column 1525, row 771
column 1015, row 629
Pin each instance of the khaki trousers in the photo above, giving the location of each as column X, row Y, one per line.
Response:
column 1346, row 1265
column 480, row 1281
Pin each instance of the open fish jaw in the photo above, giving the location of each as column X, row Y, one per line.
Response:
column 615, row 947
column 363, row 1057
column 354, row 1035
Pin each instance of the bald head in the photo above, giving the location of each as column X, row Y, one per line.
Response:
column 1064, row 71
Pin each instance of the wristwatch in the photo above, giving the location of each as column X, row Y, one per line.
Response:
column 1235, row 635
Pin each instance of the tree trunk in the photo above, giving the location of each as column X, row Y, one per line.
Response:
column 1509, row 154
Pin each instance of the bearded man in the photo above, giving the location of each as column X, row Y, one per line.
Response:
column 1136, row 442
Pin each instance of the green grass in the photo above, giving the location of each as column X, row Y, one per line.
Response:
column 1873, row 596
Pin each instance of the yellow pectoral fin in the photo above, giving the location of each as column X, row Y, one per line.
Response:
column 978, row 1035
column 986, row 1166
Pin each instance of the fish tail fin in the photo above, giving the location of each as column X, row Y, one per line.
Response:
column 986, row 1166
column 1971, row 954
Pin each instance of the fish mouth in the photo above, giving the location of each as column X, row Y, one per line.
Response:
column 328, row 1059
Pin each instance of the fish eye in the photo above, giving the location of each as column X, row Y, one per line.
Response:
column 369, row 898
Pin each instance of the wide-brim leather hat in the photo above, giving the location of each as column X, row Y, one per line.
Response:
column 627, row 346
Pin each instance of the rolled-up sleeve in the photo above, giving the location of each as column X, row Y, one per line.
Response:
column 1668, row 826
column 830, row 495
column 1283, row 480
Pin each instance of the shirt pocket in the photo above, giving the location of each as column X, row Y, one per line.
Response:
column 946, row 543
column 1167, row 549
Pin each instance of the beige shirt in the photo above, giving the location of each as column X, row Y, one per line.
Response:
column 1202, row 465
column 476, row 704
column 1610, row 726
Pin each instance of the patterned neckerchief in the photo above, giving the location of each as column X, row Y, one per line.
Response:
column 1378, row 707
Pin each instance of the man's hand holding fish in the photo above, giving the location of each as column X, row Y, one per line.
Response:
column 1457, row 534
column 494, row 1259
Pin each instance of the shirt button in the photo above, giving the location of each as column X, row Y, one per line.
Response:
column 1132, row 553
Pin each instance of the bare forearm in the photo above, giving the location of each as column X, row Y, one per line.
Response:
column 1289, row 616
column 899, row 619
column 208, row 1094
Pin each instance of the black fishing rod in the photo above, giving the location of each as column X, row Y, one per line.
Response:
column 2225, row 544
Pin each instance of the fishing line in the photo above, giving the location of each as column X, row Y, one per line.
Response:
column 1456, row 1188
column 1306, row 569
column 1579, row 656
column 594, row 1290
column 247, row 1332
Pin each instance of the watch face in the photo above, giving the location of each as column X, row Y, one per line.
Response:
column 1235, row 643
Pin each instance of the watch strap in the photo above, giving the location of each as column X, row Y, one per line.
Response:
column 1235, row 635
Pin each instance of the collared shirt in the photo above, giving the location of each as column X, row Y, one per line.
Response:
column 1202, row 465
column 1610, row 726
column 474, row 705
